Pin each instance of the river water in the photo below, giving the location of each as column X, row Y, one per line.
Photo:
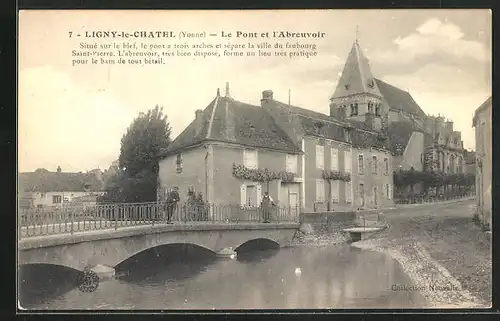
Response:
column 330, row 277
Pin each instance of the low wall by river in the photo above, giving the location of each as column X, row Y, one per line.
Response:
column 324, row 228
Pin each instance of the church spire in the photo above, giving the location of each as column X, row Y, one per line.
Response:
column 356, row 77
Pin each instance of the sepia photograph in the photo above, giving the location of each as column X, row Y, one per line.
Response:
column 254, row 159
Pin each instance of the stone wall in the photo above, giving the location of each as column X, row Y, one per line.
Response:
column 322, row 222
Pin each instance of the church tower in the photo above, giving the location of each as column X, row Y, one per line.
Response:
column 357, row 97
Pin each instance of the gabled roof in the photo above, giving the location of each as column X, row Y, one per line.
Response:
column 228, row 120
column 44, row 181
column 321, row 125
column 399, row 134
column 485, row 105
column 356, row 77
column 399, row 99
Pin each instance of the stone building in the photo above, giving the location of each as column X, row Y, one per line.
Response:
column 482, row 122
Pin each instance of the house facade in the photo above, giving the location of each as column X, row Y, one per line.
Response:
column 482, row 122
column 233, row 153
column 43, row 188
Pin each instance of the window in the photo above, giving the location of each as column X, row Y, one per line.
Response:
column 347, row 161
column 250, row 195
column 178, row 163
column 56, row 199
column 378, row 110
column 361, row 193
column 320, row 190
column 291, row 163
column 348, row 192
column 334, row 159
column 361, row 169
column 460, row 164
column 386, row 166
column 370, row 107
column 320, row 157
column 374, row 165
column 354, row 109
column 389, row 191
column 335, row 191
column 452, row 163
column 250, row 158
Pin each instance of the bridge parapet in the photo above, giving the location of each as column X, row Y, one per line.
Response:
column 110, row 247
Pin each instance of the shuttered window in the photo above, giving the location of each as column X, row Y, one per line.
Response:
column 374, row 165
column 348, row 192
column 335, row 191
column 250, row 158
column 250, row 195
column 389, row 191
column 320, row 190
column 386, row 166
column 347, row 161
column 334, row 159
column 291, row 163
column 361, row 165
column 320, row 157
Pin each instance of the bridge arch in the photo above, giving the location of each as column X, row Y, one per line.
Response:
column 260, row 242
column 176, row 246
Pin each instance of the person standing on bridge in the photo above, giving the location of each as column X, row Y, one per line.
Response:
column 172, row 200
column 266, row 205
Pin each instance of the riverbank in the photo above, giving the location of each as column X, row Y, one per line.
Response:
column 446, row 255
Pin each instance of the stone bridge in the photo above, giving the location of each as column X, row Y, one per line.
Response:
column 110, row 247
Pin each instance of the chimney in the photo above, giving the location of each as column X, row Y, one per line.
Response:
column 227, row 90
column 218, row 92
column 267, row 95
column 58, row 169
column 369, row 120
column 198, row 121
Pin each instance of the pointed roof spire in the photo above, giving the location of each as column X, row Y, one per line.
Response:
column 357, row 33
column 356, row 77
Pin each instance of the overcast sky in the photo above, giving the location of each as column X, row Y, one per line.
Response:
column 74, row 116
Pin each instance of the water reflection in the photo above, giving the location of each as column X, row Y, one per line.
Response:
column 331, row 277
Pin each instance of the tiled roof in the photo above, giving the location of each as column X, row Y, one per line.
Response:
column 229, row 120
column 399, row 99
column 44, row 181
column 400, row 133
column 356, row 77
column 321, row 125
column 315, row 123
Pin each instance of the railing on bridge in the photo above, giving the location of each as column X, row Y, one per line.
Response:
column 70, row 219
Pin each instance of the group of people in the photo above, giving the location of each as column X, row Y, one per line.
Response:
column 197, row 207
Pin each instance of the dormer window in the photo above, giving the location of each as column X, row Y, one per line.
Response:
column 346, row 87
column 354, row 109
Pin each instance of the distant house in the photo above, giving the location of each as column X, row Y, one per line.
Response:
column 482, row 122
column 43, row 188
column 470, row 162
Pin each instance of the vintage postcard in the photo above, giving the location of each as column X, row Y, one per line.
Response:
column 254, row 159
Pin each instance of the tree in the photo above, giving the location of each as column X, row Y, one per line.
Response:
column 141, row 145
